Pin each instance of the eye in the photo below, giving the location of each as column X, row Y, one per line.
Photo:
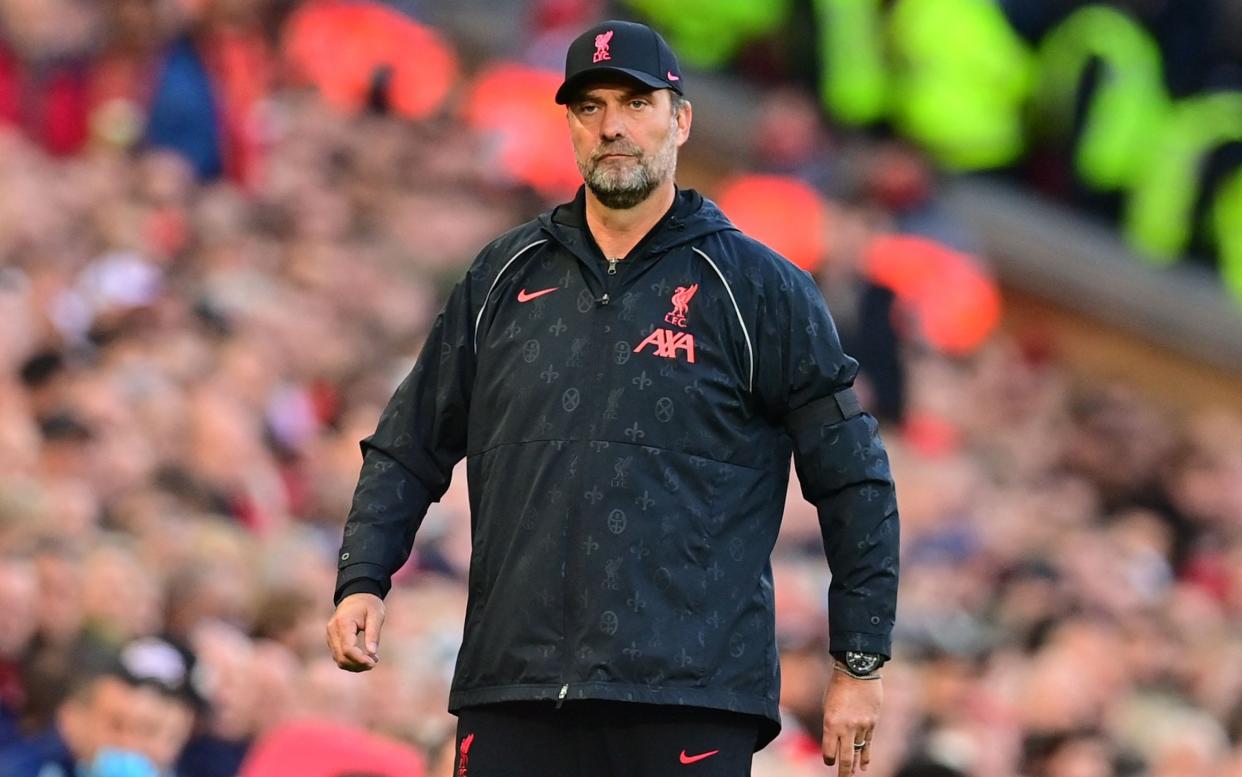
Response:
column 587, row 109
column 638, row 103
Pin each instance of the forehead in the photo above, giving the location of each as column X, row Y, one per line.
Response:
column 111, row 693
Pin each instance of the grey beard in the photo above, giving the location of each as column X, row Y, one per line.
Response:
column 623, row 195
column 623, row 191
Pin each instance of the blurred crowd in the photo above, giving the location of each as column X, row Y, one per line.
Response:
column 190, row 351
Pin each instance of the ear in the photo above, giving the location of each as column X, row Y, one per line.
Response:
column 684, row 117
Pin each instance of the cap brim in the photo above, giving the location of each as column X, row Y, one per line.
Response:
column 579, row 80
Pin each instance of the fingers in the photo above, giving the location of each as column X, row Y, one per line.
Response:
column 851, row 758
column 864, row 756
column 357, row 660
column 851, row 712
column 351, row 621
column 847, row 756
column 832, row 747
column 839, row 749
column 342, row 631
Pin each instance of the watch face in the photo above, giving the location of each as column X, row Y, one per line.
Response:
column 862, row 663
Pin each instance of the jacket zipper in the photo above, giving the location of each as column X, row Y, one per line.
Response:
column 603, row 301
column 612, row 271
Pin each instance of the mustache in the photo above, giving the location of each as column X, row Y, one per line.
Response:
column 617, row 148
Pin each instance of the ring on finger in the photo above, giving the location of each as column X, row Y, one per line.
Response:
column 860, row 745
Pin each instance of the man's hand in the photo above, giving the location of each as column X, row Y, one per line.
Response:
column 357, row 615
column 851, row 710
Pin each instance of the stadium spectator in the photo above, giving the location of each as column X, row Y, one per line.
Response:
column 225, row 665
column 127, row 713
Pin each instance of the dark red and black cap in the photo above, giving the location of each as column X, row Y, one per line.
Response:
column 619, row 48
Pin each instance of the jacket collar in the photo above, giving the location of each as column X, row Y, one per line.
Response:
column 691, row 217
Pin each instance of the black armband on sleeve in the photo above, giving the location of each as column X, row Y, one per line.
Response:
column 833, row 409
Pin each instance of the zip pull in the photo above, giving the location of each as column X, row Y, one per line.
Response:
column 612, row 265
column 560, row 697
column 604, row 299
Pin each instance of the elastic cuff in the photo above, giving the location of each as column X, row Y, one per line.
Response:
column 362, row 585
column 361, row 578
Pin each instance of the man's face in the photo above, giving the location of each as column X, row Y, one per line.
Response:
column 625, row 141
column 160, row 726
column 120, row 716
column 96, row 719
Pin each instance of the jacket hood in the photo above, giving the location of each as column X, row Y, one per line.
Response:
column 693, row 216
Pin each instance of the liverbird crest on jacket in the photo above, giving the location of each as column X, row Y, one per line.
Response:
column 681, row 302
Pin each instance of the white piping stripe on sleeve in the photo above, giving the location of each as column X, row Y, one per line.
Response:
column 750, row 375
column 478, row 319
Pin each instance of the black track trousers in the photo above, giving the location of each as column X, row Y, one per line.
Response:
column 603, row 739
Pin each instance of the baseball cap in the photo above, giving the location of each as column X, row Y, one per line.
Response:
column 155, row 663
column 626, row 48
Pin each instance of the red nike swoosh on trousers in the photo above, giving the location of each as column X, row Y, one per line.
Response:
column 524, row 297
column 689, row 759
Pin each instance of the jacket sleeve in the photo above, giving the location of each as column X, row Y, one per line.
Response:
column 408, row 461
column 805, row 384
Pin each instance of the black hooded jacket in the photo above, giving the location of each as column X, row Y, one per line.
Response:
column 628, row 428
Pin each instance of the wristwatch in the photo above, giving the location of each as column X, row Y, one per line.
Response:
column 858, row 664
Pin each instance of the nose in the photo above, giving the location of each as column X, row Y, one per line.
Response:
column 612, row 127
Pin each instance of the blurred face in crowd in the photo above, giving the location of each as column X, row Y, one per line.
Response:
column 331, row 694
column 114, row 714
column 226, row 661
column 121, row 596
column 625, row 140
column 59, row 616
column 18, row 593
column 276, row 677
column 160, row 725
column 48, row 27
column 789, row 131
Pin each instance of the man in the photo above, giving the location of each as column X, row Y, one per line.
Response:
column 627, row 376
column 126, row 715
